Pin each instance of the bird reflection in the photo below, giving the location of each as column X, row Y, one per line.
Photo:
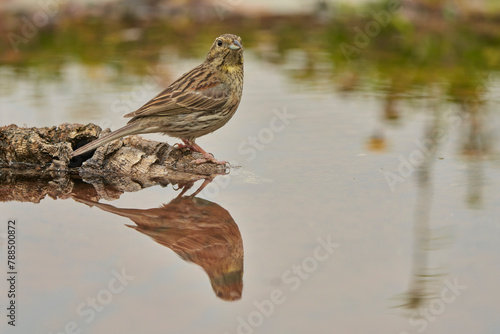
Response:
column 199, row 231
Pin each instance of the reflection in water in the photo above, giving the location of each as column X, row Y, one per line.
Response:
column 476, row 146
column 424, row 282
column 427, row 274
column 197, row 230
column 391, row 110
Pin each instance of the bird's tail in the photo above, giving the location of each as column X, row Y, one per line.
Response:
column 129, row 129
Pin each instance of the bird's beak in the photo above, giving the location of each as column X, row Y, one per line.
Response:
column 235, row 45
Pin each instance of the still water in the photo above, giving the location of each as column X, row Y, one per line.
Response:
column 351, row 211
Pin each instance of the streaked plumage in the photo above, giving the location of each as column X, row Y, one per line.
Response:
column 199, row 231
column 199, row 102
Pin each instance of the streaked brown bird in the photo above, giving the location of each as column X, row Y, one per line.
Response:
column 198, row 103
column 197, row 230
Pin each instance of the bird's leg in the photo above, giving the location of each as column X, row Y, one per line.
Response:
column 186, row 144
column 207, row 157
column 185, row 188
column 205, row 183
column 189, row 184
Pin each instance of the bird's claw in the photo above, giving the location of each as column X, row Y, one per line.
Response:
column 180, row 146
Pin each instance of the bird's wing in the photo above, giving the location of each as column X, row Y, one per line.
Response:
column 195, row 90
column 184, row 242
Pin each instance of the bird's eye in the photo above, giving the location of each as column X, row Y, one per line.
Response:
column 219, row 42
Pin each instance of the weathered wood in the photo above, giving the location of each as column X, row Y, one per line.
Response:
column 35, row 184
column 49, row 148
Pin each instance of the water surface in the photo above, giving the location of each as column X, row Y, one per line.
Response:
column 360, row 210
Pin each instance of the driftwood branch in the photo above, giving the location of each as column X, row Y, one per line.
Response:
column 49, row 149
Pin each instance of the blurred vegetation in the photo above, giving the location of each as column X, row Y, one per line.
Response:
column 411, row 47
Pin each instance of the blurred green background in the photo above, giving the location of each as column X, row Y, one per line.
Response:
column 410, row 44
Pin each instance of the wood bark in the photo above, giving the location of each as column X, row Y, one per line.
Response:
column 35, row 163
column 50, row 148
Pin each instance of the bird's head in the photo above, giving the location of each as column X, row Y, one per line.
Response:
column 227, row 285
column 226, row 51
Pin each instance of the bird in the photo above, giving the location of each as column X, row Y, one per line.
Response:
column 198, row 103
column 197, row 230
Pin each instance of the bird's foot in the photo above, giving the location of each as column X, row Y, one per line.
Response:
column 181, row 146
column 207, row 157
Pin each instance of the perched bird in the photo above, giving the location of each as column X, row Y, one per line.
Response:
column 199, row 231
column 199, row 102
